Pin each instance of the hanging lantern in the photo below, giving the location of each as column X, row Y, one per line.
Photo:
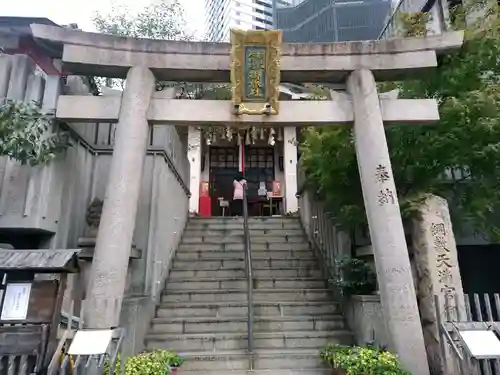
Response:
column 271, row 140
column 280, row 134
column 254, row 134
column 229, row 134
column 262, row 134
column 247, row 138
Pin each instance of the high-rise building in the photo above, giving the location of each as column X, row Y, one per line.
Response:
column 317, row 21
column 302, row 21
column 222, row 15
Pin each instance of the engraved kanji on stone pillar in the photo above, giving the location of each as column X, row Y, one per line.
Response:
column 436, row 262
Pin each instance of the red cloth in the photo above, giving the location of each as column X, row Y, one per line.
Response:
column 205, row 207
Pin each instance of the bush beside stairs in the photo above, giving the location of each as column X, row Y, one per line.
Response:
column 203, row 309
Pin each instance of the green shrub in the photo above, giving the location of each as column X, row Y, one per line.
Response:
column 157, row 362
column 356, row 277
column 362, row 360
column 174, row 359
column 27, row 134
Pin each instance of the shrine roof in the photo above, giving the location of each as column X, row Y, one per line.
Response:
column 23, row 23
column 18, row 28
column 39, row 261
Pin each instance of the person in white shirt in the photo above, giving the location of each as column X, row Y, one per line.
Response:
column 238, row 186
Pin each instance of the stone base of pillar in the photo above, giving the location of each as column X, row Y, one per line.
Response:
column 136, row 315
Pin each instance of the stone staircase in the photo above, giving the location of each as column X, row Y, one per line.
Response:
column 203, row 310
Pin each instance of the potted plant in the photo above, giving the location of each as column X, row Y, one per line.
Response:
column 175, row 361
column 358, row 360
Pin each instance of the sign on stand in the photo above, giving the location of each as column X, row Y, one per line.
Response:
column 481, row 343
column 16, row 301
column 30, row 304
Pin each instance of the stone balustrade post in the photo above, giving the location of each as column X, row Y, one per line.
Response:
column 114, row 239
column 392, row 261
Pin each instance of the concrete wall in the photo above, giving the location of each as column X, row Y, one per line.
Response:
column 28, row 195
column 438, row 17
column 54, row 198
column 365, row 318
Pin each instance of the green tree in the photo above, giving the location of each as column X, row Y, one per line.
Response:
column 164, row 20
column 27, row 135
column 465, row 142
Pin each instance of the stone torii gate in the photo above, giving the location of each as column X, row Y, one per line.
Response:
column 357, row 64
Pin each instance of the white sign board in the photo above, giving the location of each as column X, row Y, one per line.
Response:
column 481, row 343
column 16, row 301
column 90, row 342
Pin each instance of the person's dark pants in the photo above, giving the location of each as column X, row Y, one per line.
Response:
column 237, row 207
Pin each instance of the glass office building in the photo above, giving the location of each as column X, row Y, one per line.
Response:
column 222, row 15
column 316, row 21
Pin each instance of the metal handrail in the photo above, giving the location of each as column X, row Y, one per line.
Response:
column 248, row 268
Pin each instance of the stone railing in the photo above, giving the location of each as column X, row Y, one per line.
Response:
column 363, row 313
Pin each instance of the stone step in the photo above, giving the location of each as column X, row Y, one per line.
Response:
column 238, row 222
column 240, row 309
column 236, row 218
column 239, row 254
column 270, row 361
column 239, row 295
column 283, row 246
column 239, row 324
column 241, row 283
column 251, row 220
column 239, row 225
column 197, row 232
column 231, row 264
column 295, row 371
column 238, row 341
column 239, row 239
column 241, row 273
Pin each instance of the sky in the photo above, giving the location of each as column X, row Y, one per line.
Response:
column 81, row 11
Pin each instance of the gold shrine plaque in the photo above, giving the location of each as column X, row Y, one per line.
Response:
column 255, row 71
